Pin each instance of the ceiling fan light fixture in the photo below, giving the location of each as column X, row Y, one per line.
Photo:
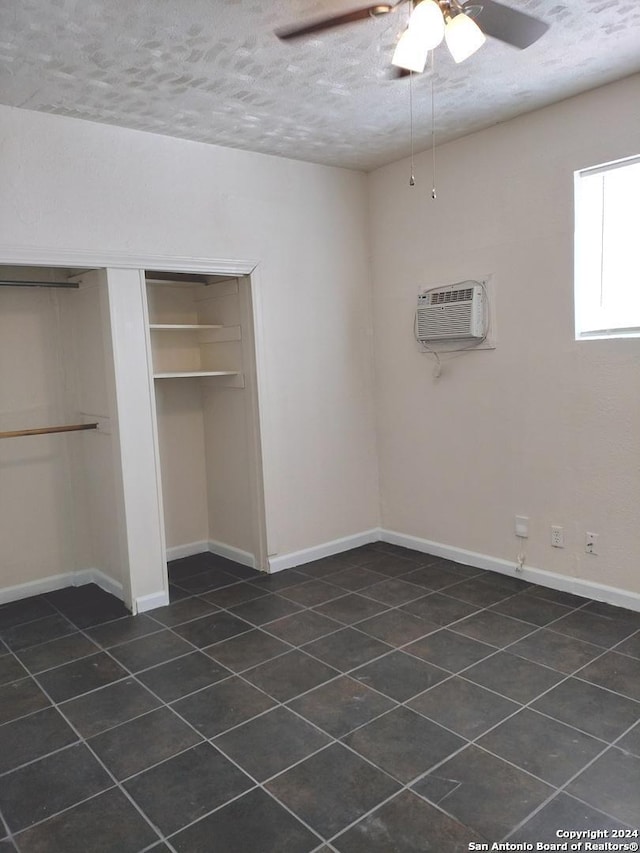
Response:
column 411, row 52
column 463, row 37
column 427, row 23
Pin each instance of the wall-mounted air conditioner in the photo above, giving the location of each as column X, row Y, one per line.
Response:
column 453, row 313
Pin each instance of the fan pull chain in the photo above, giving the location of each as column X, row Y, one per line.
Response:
column 602, row 246
column 412, row 179
column 433, row 128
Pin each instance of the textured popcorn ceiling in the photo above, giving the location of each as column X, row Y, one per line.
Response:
column 212, row 70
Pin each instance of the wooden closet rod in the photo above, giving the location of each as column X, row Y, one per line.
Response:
column 39, row 284
column 47, row 430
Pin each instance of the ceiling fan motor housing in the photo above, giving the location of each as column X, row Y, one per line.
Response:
column 493, row 19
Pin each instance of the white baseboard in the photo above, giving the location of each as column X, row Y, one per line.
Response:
column 214, row 547
column 326, row 549
column 79, row 578
column 565, row 583
column 243, row 557
column 188, row 550
column 37, row 587
column 151, row 601
column 98, row 577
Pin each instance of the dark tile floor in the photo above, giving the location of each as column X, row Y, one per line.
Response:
column 381, row 701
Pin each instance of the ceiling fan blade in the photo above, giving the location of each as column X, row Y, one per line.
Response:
column 318, row 26
column 507, row 24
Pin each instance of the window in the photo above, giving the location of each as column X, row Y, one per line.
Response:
column 607, row 250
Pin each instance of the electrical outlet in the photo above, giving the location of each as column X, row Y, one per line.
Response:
column 522, row 526
column 591, row 544
column 557, row 536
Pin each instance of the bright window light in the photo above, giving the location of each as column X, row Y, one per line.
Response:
column 607, row 250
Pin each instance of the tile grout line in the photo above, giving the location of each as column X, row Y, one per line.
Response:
column 116, row 784
column 180, row 752
column 448, row 626
column 300, row 648
column 609, row 745
column 343, row 593
column 557, row 789
column 535, row 629
column 523, row 705
column 279, row 704
column 83, row 741
column 334, row 740
column 338, row 628
column 561, row 788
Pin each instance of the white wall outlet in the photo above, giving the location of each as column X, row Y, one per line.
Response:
column 557, row 536
column 591, row 544
column 522, row 526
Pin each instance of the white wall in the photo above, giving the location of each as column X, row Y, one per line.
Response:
column 35, row 483
column 182, row 454
column 69, row 184
column 97, row 505
column 230, row 460
column 180, row 418
column 59, row 497
column 542, row 426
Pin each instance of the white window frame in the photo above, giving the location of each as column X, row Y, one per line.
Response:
column 593, row 318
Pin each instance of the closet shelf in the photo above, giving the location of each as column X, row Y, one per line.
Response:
column 177, row 327
column 180, row 374
column 48, row 430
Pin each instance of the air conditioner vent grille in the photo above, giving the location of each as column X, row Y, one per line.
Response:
column 452, row 313
column 440, row 297
column 453, row 324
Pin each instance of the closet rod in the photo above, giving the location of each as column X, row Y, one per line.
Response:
column 9, row 283
column 47, row 430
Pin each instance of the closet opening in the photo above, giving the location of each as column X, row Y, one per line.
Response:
column 61, row 509
column 203, row 363
column 129, row 424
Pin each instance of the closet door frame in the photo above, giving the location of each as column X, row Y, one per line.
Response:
column 156, row 594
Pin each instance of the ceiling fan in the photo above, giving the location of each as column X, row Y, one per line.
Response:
column 463, row 26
